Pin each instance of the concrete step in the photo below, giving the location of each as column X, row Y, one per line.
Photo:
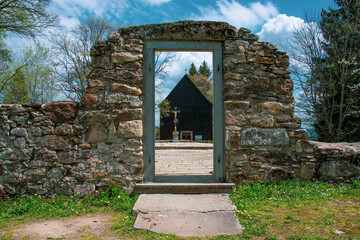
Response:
column 183, row 188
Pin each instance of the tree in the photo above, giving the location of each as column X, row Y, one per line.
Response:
column 16, row 90
column 327, row 70
column 201, row 79
column 204, row 69
column 31, row 77
column 73, row 49
column 193, row 70
column 26, row 17
column 204, row 84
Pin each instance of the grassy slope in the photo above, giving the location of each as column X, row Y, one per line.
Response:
column 286, row 210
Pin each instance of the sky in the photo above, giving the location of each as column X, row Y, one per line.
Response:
column 272, row 20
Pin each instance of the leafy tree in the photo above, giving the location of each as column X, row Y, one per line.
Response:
column 327, row 70
column 17, row 91
column 204, row 84
column 73, row 49
column 25, row 17
column 193, row 70
column 31, row 77
column 204, row 69
column 201, row 79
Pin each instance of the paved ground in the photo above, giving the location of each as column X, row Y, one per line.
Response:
column 183, row 161
column 187, row 215
column 183, row 158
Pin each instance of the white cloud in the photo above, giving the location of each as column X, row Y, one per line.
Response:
column 72, row 11
column 155, row 2
column 277, row 30
column 237, row 14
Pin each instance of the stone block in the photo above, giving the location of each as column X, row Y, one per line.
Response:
column 94, row 117
column 307, row 170
column 53, row 142
column 127, row 114
column 64, row 129
column 61, row 112
column 68, row 157
column 119, row 87
column 89, row 99
column 263, row 137
column 115, row 98
column 278, row 108
column 125, row 57
column 18, row 132
column 130, row 129
column 35, row 174
column 96, row 133
column 83, row 190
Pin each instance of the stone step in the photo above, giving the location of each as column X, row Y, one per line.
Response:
column 183, row 188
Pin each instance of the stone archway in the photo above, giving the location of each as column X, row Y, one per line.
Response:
column 263, row 140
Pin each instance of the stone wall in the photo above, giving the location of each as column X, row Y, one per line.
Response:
column 53, row 149
column 337, row 162
column 64, row 148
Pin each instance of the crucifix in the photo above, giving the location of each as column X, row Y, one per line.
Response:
column 175, row 111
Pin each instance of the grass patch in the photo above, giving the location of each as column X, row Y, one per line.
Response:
column 288, row 210
column 298, row 210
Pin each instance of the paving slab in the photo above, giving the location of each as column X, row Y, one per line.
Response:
column 187, row 214
column 183, row 202
column 190, row 224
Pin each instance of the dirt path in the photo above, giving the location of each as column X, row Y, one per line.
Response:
column 95, row 225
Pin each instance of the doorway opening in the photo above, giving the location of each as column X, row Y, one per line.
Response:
column 183, row 112
column 183, row 115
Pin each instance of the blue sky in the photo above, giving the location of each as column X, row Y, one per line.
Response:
column 273, row 20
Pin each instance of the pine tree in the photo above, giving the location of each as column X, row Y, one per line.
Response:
column 204, row 69
column 193, row 70
column 339, row 73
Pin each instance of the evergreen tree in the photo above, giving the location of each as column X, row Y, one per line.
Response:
column 193, row 70
column 339, row 74
column 204, row 69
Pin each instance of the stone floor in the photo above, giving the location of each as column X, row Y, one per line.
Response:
column 183, row 161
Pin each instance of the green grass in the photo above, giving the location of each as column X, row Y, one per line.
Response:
column 287, row 210
column 298, row 210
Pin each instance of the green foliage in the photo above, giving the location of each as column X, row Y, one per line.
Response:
column 17, row 90
column 338, row 74
column 204, row 69
column 25, row 17
column 30, row 77
column 193, row 70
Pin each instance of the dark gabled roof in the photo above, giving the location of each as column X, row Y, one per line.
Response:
column 187, row 81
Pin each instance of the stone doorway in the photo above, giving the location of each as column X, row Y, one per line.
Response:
column 218, row 152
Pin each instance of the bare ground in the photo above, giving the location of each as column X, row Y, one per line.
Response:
column 78, row 227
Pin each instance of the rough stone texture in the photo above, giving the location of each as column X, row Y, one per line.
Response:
column 57, row 147
column 337, row 162
column 61, row 112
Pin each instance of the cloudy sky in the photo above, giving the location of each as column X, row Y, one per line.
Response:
column 271, row 20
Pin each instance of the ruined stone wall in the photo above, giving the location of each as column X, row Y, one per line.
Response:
column 264, row 142
column 64, row 148
column 52, row 149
